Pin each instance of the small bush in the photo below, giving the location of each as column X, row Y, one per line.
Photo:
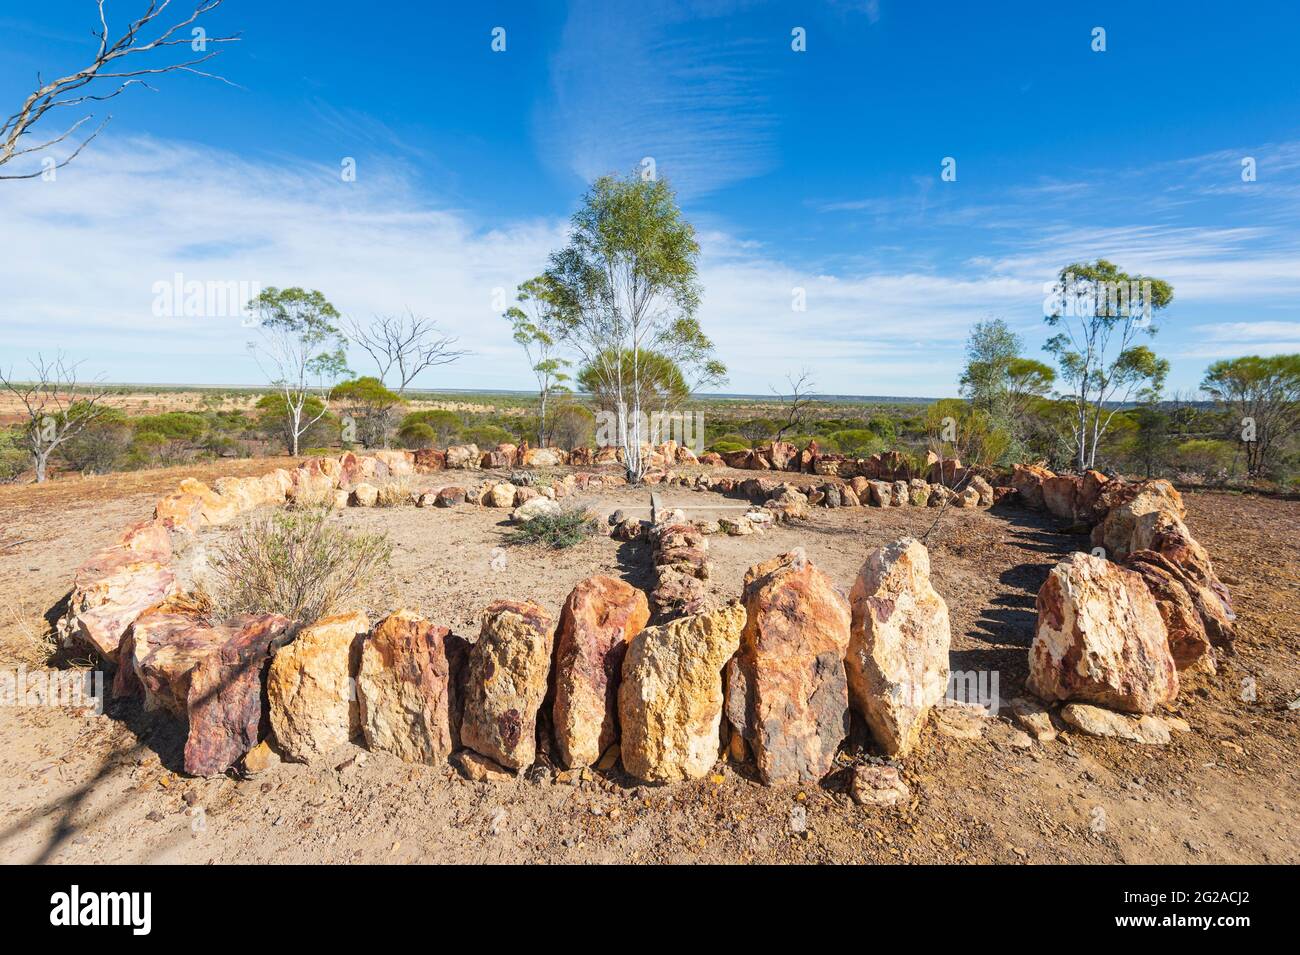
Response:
column 295, row 564
column 558, row 531
column 417, row 435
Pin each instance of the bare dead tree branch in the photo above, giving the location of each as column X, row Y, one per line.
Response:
column 57, row 405
column 407, row 344
column 796, row 404
column 111, row 62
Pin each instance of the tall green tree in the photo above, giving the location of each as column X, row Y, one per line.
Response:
column 1263, row 395
column 537, row 328
column 627, row 285
column 1102, row 312
column 300, row 350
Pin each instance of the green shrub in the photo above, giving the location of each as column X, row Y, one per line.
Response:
column 565, row 529
column 487, row 436
column 175, row 425
column 1204, row 456
column 296, row 564
column 99, row 447
column 444, row 424
column 857, row 442
column 417, row 434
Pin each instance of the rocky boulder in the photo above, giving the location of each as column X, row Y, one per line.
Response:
column 506, row 681
column 407, row 688
column 116, row 585
column 1028, row 480
column 224, row 702
column 310, row 687
column 534, row 507
column 463, row 456
column 897, row 663
column 449, row 497
column 1100, row 639
column 670, row 701
column 598, row 620
column 787, row 693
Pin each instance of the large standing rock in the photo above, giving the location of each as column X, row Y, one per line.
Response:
column 409, row 701
column 462, row 456
column 543, row 458
column 897, row 662
column 1061, row 496
column 224, row 702
column 117, row 585
column 1100, row 639
column 1193, row 615
column 310, row 690
column 787, row 694
column 158, row 655
column 1130, row 515
column 599, row 618
column 670, row 701
column 506, row 682
column 1028, row 480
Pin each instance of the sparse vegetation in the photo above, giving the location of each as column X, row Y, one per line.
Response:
column 296, row 564
column 566, row 529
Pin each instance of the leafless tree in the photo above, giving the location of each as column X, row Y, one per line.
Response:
column 58, row 407
column 405, row 344
column 114, row 62
column 797, row 404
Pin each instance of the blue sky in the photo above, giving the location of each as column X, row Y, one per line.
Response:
column 817, row 170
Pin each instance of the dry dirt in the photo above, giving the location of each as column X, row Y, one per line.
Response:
column 81, row 788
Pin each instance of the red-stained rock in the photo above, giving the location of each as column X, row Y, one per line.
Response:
column 506, row 681
column 407, row 688
column 1061, row 494
column 462, row 456
column 116, row 585
column 1100, row 639
column 225, row 700
column 430, row 459
column 712, row 459
column 1028, row 480
column 787, row 693
column 784, row 456
column 1188, row 641
column 948, row 471
column 1088, row 506
column 743, row 459
column 599, row 618
column 450, row 496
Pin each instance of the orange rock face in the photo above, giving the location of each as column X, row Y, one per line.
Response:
column 599, row 619
column 407, row 691
column 1101, row 639
column 787, row 693
column 1028, row 480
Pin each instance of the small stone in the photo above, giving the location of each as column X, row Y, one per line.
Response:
column 480, row 769
column 259, row 759
column 877, row 786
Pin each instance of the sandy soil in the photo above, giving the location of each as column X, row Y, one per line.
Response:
column 78, row 788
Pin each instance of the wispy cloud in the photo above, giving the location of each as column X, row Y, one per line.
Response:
column 627, row 83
